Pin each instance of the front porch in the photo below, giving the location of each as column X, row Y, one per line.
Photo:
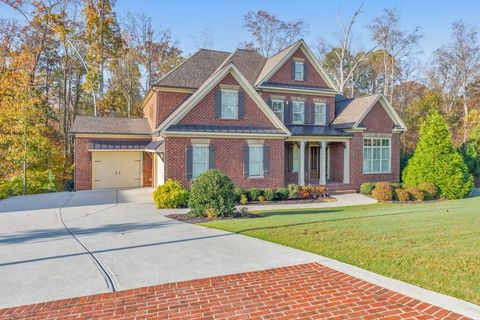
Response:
column 322, row 162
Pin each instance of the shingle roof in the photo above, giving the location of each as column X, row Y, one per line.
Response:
column 223, row 129
column 312, row 130
column 249, row 63
column 193, row 72
column 274, row 60
column 349, row 111
column 110, row 125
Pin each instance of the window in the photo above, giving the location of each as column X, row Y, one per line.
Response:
column 299, row 71
column 320, row 113
column 199, row 160
column 298, row 112
column 376, row 155
column 296, row 158
column 277, row 108
column 229, row 104
column 255, row 161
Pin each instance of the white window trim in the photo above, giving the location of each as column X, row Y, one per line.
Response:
column 302, row 63
column 324, row 105
column 303, row 112
column 389, row 154
column 283, row 107
column 221, row 106
column 206, row 146
column 262, row 174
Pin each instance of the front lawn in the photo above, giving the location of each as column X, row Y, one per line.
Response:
column 432, row 245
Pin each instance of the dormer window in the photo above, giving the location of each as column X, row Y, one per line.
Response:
column 229, row 104
column 299, row 70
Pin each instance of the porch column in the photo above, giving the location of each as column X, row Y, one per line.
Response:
column 301, row 169
column 346, row 162
column 323, row 163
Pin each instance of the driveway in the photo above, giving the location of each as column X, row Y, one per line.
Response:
column 115, row 240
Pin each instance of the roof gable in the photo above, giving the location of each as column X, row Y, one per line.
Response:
column 274, row 63
column 207, row 87
column 351, row 112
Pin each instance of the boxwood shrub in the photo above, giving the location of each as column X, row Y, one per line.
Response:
column 367, row 188
column 383, row 191
column 170, row 195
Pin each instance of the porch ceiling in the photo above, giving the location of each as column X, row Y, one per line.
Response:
column 312, row 130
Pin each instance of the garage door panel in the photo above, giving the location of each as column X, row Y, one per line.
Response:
column 117, row 169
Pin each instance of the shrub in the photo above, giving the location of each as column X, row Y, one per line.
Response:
column 471, row 152
column 261, row 199
column 292, row 191
column 170, row 195
column 402, row 195
column 367, row 188
column 211, row 214
column 305, row 192
column 318, row 191
column 238, row 194
column 243, row 199
column 269, row 194
column 282, row 193
column 416, row 193
column 253, row 194
column 212, row 189
column 383, row 191
column 242, row 212
column 437, row 160
column 430, row 190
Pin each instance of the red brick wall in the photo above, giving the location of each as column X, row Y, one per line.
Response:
column 376, row 121
column 309, row 100
column 290, row 177
column 204, row 111
column 149, row 111
column 228, row 159
column 83, row 165
column 284, row 73
column 167, row 102
column 336, row 161
column 147, row 168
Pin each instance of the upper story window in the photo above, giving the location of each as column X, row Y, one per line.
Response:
column 376, row 155
column 298, row 112
column 299, row 73
column 199, row 160
column 320, row 113
column 229, row 109
column 277, row 107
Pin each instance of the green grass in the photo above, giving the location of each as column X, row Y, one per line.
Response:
column 432, row 245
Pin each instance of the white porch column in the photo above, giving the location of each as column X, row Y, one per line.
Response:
column 323, row 163
column 346, row 162
column 301, row 169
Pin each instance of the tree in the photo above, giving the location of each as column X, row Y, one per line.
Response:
column 397, row 46
column 437, row 161
column 271, row 34
column 457, row 67
column 471, row 153
column 102, row 35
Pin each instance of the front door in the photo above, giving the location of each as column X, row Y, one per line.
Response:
column 314, row 157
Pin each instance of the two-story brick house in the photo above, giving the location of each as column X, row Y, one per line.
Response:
column 263, row 122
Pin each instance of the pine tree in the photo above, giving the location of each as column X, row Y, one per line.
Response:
column 471, row 152
column 436, row 160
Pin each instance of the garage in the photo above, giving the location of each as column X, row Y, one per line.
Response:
column 116, row 169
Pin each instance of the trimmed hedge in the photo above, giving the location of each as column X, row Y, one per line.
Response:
column 430, row 190
column 402, row 195
column 367, row 188
column 383, row 191
column 171, row 194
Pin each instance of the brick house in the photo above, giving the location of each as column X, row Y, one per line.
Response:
column 263, row 122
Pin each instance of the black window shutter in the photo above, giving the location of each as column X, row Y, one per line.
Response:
column 266, row 161
column 287, row 112
column 306, row 109
column 211, row 156
column 241, row 105
column 218, row 104
column 293, row 69
column 246, row 160
column 313, row 113
column 188, row 161
column 290, row 158
column 305, row 71
column 327, row 113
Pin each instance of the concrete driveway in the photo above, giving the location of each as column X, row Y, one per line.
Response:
column 114, row 240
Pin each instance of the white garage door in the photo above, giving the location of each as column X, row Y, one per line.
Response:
column 116, row 169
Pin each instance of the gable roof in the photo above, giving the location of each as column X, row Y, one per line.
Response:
column 195, row 70
column 276, row 61
column 350, row 112
column 110, row 125
column 208, row 85
column 249, row 62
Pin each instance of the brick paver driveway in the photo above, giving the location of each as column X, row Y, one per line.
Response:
column 308, row 291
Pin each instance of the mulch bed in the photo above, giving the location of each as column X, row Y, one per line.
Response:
column 189, row 219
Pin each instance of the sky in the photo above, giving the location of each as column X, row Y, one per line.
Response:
column 223, row 20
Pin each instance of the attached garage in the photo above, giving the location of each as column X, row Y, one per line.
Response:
column 116, row 169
